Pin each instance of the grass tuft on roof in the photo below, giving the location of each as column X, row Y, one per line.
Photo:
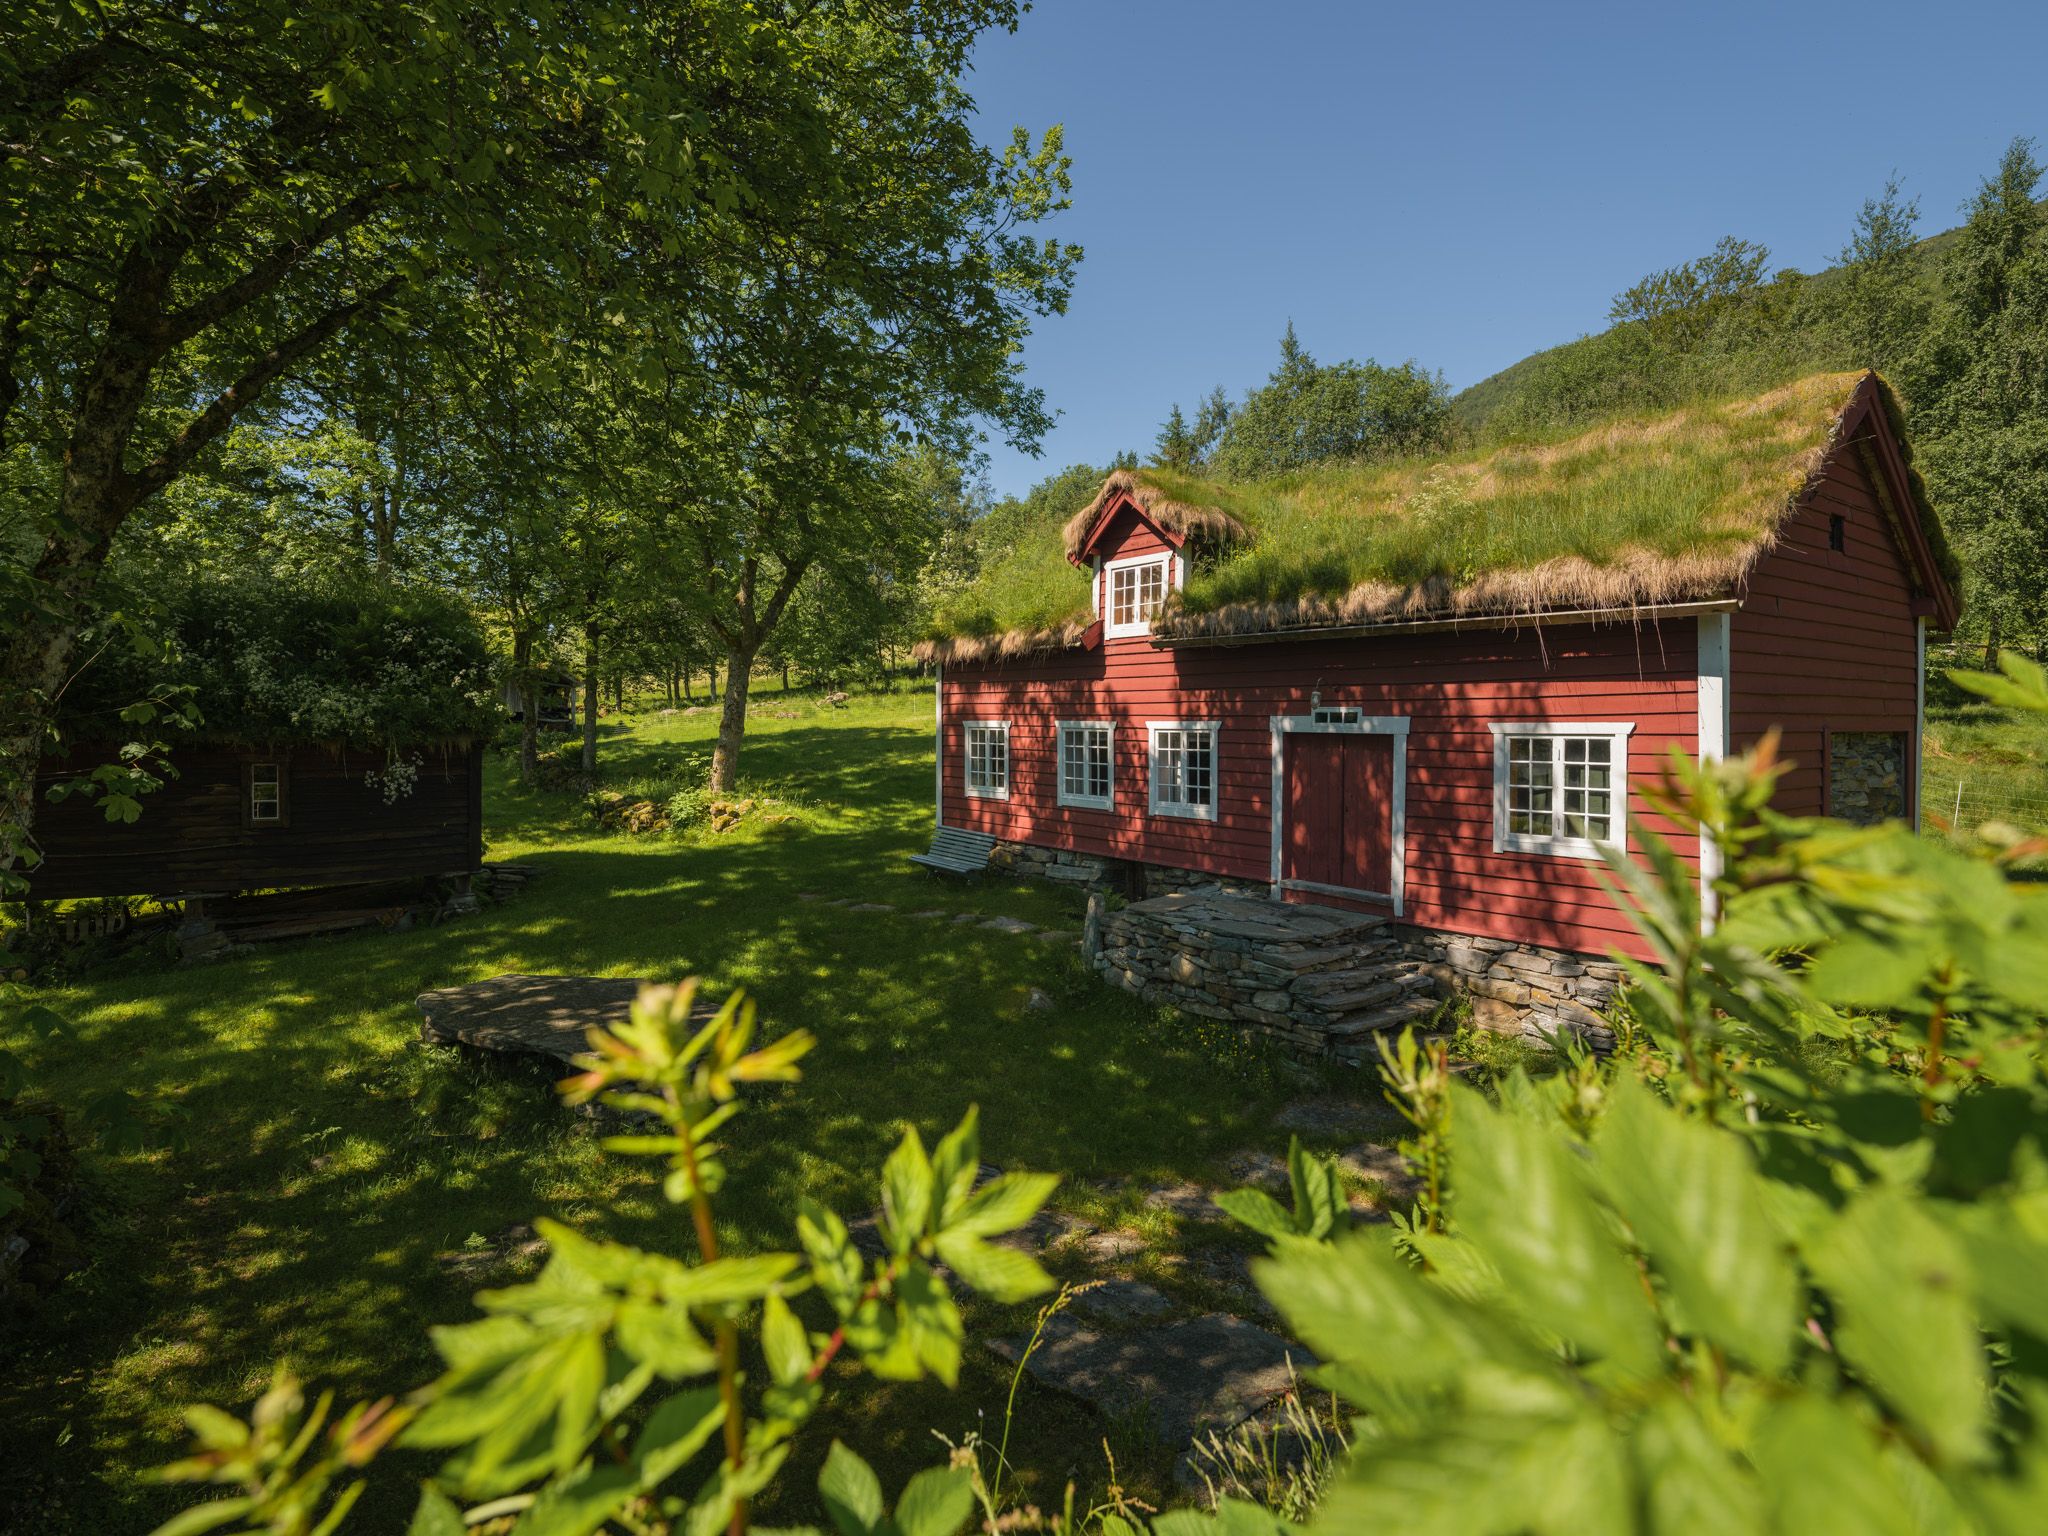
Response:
column 1640, row 511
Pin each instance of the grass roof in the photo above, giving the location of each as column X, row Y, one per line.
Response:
column 1638, row 512
column 338, row 659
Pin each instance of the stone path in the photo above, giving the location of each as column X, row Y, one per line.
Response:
column 529, row 1015
column 1135, row 1351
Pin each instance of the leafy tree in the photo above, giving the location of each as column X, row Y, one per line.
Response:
column 1883, row 308
column 1186, row 448
column 1680, row 305
column 1308, row 413
column 1980, row 395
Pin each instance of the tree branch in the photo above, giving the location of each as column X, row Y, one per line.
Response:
column 222, row 410
column 270, row 269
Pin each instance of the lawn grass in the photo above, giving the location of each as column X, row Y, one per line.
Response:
column 329, row 1157
column 1980, row 759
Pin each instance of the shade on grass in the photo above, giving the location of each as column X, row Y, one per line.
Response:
column 1674, row 507
column 329, row 1157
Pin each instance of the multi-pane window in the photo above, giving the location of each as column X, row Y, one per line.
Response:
column 1137, row 590
column 266, row 793
column 1560, row 788
column 988, row 759
column 1336, row 714
column 1084, row 764
column 1184, row 770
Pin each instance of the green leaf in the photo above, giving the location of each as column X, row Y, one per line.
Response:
column 835, row 1262
column 661, row 1335
column 1258, row 1210
column 1001, row 1274
column 851, row 1492
column 204, row 1517
column 1899, row 1282
column 1694, row 1199
column 936, row 1502
column 955, row 1161
column 907, row 1194
column 1316, row 1197
column 1692, row 1483
column 676, row 1430
column 435, row 1514
column 783, row 1342
column 1005, row 1204
column 1520, row 1198
column 1821, row 1472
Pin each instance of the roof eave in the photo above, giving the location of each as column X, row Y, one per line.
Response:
column 1636, row 614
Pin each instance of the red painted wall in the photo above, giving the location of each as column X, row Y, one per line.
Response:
column 1825, row 639
column 1449, row 685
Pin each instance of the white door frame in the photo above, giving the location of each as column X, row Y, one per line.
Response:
column 1395, row 726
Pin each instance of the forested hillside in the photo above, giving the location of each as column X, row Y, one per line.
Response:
column 1957, row 322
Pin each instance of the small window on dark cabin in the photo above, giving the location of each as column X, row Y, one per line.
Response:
column 1838, row 531
column 266, row 793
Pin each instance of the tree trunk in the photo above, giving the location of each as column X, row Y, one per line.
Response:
column 1991, row 639
column 732, row 721
column 687, row 699
column 591, row 686
column 529, row 706
column 619, row 693
column 711, row 678
column 785, row 677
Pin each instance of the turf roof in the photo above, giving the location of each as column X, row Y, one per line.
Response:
column 1636, row 513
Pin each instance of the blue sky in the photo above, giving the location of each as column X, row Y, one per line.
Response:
column 1460, row 184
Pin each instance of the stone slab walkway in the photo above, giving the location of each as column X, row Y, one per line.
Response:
column 527, row 1015
column 1183, row 1379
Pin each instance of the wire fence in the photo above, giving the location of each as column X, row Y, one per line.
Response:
column 1961, row 800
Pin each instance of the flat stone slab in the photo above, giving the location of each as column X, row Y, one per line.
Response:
column 1010, row 925
column 1187, row 1378
column 1338, row 1119
column 1122, row 1301
column 529, row 1015
column 1256, row 917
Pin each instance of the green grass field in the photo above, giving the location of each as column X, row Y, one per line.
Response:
column 329, row 1157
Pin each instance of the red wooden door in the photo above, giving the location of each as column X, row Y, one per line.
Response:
column 1339, row 808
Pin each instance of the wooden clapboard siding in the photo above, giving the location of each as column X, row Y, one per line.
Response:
column 192, row 838
column 1825, row 639
column 1450, row 686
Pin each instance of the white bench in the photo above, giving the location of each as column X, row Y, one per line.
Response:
column 955, row 852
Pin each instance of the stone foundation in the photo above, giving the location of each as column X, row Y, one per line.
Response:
column 1866, row 776
column 1521, row 989
column 1319, row 981
column 1127, row 877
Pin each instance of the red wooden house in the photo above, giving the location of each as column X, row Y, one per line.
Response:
column 1448, row 746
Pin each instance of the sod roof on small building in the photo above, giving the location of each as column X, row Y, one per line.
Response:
column 1635, row 514
column 339, row 659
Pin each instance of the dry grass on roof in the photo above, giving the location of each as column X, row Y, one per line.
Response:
column 1193, row 508
column 1675, row 507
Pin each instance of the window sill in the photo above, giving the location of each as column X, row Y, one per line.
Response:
column 1081, row 803
column 1186, row 812
column 1553, row 847
column 986, row 794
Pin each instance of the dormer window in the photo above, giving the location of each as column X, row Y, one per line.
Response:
column 1137, row 591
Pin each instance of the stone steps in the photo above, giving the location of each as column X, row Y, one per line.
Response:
column 1315, row 979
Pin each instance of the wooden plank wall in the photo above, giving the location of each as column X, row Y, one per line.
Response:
column 1449, row 685
column 1825, row 639
column 191, row 838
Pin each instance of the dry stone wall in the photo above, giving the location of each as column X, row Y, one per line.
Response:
column 1522, row 989
column 1866, row 776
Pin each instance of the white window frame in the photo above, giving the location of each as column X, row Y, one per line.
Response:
column 1186, row 812
column 1111, row 629
column 1615, row 732
column 275, row 799
column 1085, row 802
column 967, row 731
